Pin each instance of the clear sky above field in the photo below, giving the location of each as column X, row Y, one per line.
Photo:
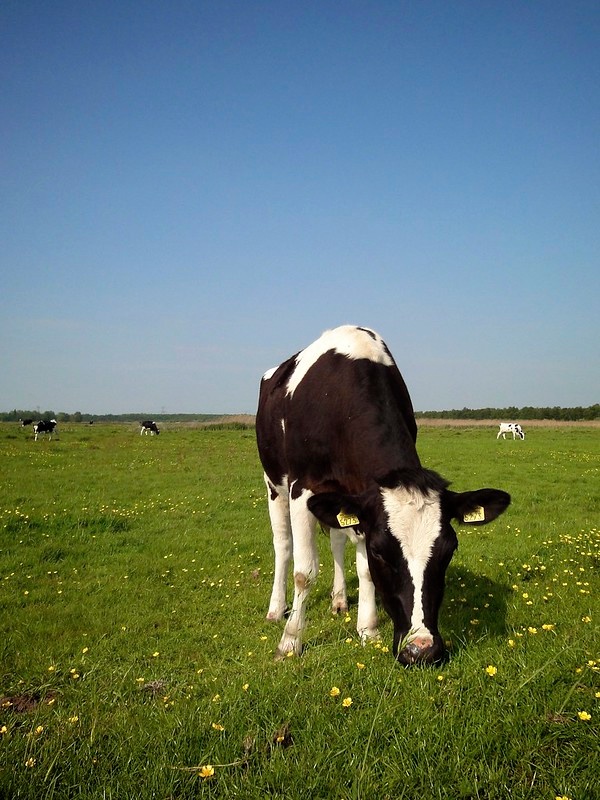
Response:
column 193, row 191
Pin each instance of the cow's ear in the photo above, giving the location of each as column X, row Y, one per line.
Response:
column 478, row 507
column 335, row 510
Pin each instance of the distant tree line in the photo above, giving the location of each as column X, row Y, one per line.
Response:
column 16, row 414
column 576, row 414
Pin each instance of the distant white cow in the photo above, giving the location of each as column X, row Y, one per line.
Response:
column 510, row 427
column 149, row 425
column 45, row 426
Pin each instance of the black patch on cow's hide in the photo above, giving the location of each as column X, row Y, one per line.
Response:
column 366, row 330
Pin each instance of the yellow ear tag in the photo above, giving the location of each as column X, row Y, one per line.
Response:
column 347, row 520
column 477, row 515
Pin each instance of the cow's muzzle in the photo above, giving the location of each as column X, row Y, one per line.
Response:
column 422, row 650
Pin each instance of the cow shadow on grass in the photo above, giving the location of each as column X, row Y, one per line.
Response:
column 475, row 607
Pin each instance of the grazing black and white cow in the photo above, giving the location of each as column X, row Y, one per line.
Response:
column 336, row 437
column 510, row 427
column 148, row 426
column 25, row 422
column 44, row 426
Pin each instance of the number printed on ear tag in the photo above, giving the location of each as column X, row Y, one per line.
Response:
column 477, row 515
column 347, row 520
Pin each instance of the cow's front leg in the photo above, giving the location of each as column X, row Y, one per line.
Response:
column 306, row 569
column 339, row 599
column 279, row 515
column 366, row 623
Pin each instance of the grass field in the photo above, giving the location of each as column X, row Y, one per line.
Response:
column 135, row 660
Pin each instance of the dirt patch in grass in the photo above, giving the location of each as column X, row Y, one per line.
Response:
column 22, row 703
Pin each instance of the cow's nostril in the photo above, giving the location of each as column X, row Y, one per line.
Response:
column 413, row 651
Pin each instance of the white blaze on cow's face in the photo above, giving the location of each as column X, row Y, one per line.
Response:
column 414, row 519
column 347, row 340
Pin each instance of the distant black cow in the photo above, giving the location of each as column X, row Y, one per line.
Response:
column 336, row 437
column 45, row 426
column 25, row 422
column 148, row 426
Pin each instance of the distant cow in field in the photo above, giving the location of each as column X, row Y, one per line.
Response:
column 25, row 422
column 510, row 427
column 149, row 427
column 45, row 426
column 336, row 437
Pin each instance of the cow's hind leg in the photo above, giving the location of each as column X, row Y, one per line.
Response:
column 279, row 515
column 339, row 599
column 306, row 569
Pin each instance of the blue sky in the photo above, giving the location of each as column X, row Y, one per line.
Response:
column 193, row 191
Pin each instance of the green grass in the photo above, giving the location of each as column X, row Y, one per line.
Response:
column 135, row 574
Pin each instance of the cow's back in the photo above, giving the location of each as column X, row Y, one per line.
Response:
column 338, row 413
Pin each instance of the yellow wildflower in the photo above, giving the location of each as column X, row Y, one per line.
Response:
column 583, row 715
column 217, row 726
column 207, row 771
column 334, row 692
column 347, row 702
column 491, row 670
column 30, row 762
column 359, row 665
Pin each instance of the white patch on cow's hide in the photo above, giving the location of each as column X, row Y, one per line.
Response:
column 269, row 373
column 414, row 520
column 348, row 340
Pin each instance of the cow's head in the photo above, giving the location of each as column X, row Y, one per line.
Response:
column 410, row 542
